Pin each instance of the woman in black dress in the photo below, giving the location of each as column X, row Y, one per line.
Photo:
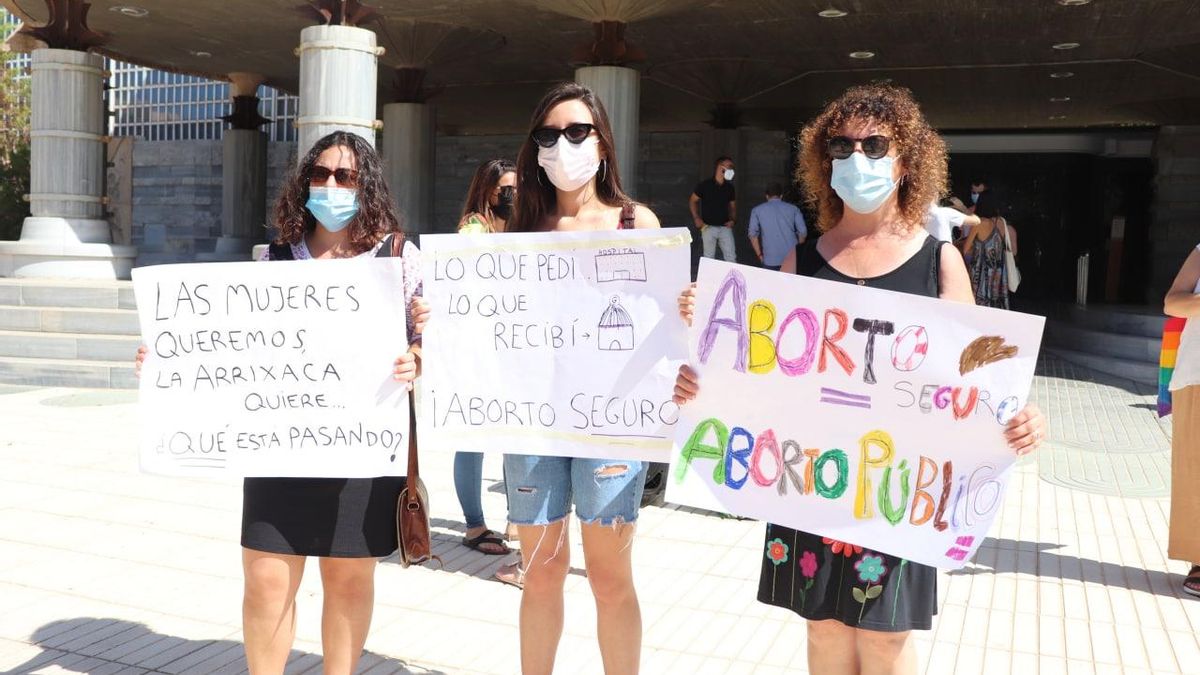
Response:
column 871, row 165
column 334, row 205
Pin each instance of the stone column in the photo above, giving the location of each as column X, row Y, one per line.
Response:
column 66, row 234
column 243, row 173
column 619, row 90
column 409, row 162
column 338, row 67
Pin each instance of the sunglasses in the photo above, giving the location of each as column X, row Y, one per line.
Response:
column 319, row 175
column 874, row 147
column 577, row 133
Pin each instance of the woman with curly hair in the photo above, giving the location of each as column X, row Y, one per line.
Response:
column 871, row 166
column 334, row 205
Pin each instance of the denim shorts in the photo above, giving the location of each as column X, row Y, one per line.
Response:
column 541, row 489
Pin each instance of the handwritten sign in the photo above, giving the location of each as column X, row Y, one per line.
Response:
column 563, row 343
column 859, row 414
column 280, row 369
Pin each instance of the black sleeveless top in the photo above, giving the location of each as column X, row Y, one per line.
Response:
column 816, row 577
column 917, row 275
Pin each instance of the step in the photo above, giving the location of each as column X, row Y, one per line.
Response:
column 68, row 373
column 89, row 347
column 94, row 294
column 69, row 320
column 1144, row 321
column 1142, row 373
column 1122, row 346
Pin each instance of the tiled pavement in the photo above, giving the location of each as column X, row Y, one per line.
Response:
column 103, row 570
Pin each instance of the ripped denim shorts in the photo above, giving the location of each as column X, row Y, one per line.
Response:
column 604, row 491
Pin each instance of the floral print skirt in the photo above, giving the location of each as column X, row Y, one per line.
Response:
column 819, row 578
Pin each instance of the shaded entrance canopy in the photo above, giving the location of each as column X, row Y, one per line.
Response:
column 974, row 64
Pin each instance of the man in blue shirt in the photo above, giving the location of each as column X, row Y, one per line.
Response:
column 776, row 227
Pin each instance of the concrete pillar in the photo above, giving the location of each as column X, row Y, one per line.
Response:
column 409, row 161
column 243, row 174
column 619, row 90
column 338, row 67
column 1175, row 228
column 66, row 234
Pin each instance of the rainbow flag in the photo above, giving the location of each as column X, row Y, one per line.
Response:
column 1172, row 330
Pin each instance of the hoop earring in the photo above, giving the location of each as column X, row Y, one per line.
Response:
column 603, row 169
column 539, row 177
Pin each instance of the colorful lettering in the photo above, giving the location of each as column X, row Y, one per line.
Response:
column 735, row 285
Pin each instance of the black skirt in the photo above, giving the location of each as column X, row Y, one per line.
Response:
column 815, row 578
column 328, row 517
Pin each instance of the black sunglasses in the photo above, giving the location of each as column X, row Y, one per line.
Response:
column 874, row 146
column 575, row 133
column 319, row 175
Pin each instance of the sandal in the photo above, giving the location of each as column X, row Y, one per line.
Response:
column 487, row 537
column 511, row 574
column 1191, row 584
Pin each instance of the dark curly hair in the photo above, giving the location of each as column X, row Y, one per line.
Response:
column 376, row 216
column 921, row 150
column 536, row 196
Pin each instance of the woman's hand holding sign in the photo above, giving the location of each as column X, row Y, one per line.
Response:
column 1026, row 430
column 420, row 314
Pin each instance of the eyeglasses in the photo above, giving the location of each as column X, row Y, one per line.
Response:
column 874, row 146
column 547, row 137
column 319, row 175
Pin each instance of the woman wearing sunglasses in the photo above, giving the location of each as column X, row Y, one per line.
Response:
column 334, row 205
column 568, row 175
column 871, row 166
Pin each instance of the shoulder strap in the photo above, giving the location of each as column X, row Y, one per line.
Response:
column 391, row 248
column 277, row 251
column 627, row 216
column 935, row 271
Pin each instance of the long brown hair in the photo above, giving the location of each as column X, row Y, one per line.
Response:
column 920, row 148
column 376, row 217
column 537, row 197
column 479, row 195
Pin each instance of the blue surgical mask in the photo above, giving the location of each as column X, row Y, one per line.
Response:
column 332, row 207
column 863, row 184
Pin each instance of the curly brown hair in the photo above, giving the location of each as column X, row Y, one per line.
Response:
column 921, row 150
column 376, row 216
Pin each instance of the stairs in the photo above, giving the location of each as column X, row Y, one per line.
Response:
column 68, row 333
column 1117, row 340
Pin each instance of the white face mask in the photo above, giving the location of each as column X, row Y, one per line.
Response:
column 863, row 184
column 728, row 174
column 569, row 166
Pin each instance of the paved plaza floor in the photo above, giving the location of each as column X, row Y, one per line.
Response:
column 105, row 570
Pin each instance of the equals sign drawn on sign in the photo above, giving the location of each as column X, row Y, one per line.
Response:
column 837, row 397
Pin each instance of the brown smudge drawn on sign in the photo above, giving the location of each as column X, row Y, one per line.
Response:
column 982, row 351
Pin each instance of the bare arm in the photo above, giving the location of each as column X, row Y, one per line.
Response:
column 952, row 276
column 1012, row 237
column 694, row 207
column 969, row 243
column 789, row 263
column 1182, row 300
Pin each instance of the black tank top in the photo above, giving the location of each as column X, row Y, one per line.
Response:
column 917, row 275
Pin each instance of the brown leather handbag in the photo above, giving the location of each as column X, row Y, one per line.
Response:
column 412, row 509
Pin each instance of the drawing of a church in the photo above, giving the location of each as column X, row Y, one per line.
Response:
column 615, row 332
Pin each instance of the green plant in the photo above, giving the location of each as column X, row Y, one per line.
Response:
column 14, row 149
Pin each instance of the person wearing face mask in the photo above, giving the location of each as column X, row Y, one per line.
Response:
column 871, row 165
column 569, row 181
column 489, row 198
column 714, row 210
column 334, row 205
column 487, row 209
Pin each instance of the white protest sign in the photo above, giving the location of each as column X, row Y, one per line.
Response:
column 557, row 343
column 280, row 369
column 858, row 414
